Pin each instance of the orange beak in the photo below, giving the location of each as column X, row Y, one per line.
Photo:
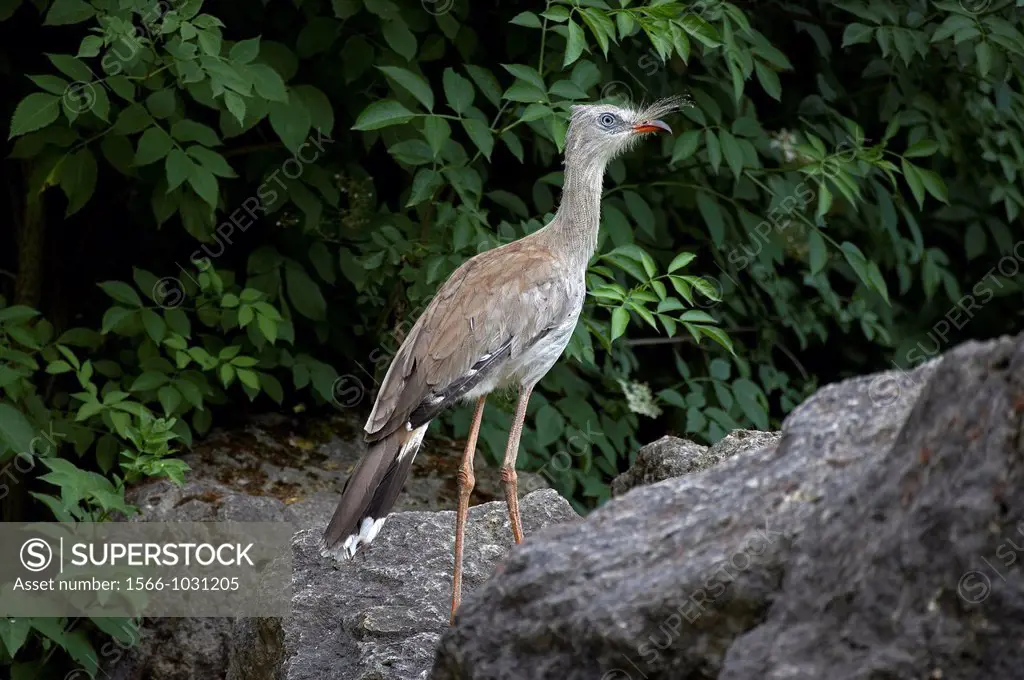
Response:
column 652, row 126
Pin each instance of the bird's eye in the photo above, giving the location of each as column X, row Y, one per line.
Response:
column 607, row 120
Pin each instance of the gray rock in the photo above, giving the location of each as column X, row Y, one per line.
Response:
column 379, row 616
column 662, row 459
column 672, row 457
column 171, row 649
column 740, row 441
column 659, row 583
column 273, row 469
column 912, row 574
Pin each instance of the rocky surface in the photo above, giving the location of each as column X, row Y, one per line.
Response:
column 855, row 547
column 380, row 616
column 273, row 469
column 673, row 457
column 877, row 536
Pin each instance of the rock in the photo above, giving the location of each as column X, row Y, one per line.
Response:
column 273, row 469
column 379, row 616
column 693, row 576
column 740, row 441
column 671, row 457
column 910, row 575
column 172, row 649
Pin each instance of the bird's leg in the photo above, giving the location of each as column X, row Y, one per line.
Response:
column 466, row 482
column 508, row 468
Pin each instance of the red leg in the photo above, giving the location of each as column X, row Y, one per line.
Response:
column 466, row 482
column 508, row 468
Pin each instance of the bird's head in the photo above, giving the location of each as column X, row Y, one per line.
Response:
column 600, row 132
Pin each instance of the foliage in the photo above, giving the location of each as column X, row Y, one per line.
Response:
column 321, row 167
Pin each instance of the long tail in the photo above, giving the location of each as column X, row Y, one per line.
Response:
column 371, row 489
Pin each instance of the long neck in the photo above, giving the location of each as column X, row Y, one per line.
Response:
column 578, row 219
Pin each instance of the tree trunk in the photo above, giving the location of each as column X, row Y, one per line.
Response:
column 28, row 290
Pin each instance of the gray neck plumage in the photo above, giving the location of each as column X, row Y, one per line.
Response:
column 578, row 218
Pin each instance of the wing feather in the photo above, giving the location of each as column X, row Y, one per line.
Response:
column 503, row 297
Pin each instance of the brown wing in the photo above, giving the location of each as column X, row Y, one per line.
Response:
column 490, row 308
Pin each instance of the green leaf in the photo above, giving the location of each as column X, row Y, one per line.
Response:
column 524, row 92
column 291, row 121
column 458, row 91
column 486, row 83
column 856, row 260
column 244, row 51
column 713, row 218
column 933, row 184
column 481, row 135
column 132, row 119
column 272, row 387
column 321, row 113
column 78, row 179
column 412, row 152
column 700, row 29
column 912, row 174
column 304, row 294
column 748, row 397
column 732, row 151
column 769, row 80
column 714, row 149
column 154, row 324
column 268, row 327
column 149, row 380
column 73, row 68
column 877, row 281
column 601, row 26
column 122, row 292
column 13, row 633
column 424, row 184
column 818, row 251
column 162, row 103
column 922, row 147
column 717, row 335
column 190, row 131
column 436, row 131
column 857, row 33
column 550, row 425
column 400, row 38
column 527, row 74
column 557, row 14
column 686, row 145
column 641, row 213
column 15, row 431
column 680, row 261
column 51, row 84
column 170, row 399
column 620, row 319
column 824, row 200
column 381, row 114
column 575, row 44
column 204, row 184
column 179, row 167
column 413, row 83
column 211, row 160
column 58, row 367
column 268, row 82
column 983, row 53
column 114, row 317
column 64, row 12
column 154, row 145
column 34, row 112
column 527, row 19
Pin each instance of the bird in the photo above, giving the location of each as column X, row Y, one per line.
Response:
column 500, row 322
